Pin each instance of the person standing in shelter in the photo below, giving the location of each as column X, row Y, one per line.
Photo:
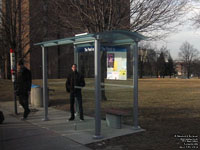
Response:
column 75, row 81
column 23, row 87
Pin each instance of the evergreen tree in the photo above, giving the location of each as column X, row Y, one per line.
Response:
column 162, row 65
column 170, row 66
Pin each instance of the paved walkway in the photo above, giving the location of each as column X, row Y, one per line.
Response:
column 57, row 133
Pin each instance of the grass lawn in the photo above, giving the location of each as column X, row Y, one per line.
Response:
column 168, row 109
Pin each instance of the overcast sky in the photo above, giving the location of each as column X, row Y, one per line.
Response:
column 174, row 42
column 187, row 33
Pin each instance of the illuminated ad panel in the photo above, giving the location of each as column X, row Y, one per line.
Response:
column 117, row 63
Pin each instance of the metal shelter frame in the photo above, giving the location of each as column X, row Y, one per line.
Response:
column 108, row 38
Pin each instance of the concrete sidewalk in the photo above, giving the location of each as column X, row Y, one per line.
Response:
column 22, row 135
column 75, row 133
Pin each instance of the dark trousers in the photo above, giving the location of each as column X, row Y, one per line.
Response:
column 23, row 100
column 72, row 101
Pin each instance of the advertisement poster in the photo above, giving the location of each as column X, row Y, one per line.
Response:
column 111, row 57
column 116, row 65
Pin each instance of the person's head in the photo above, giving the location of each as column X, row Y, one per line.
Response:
column 74, row 67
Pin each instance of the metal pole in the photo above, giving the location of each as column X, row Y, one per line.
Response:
column 135, row 84
column 15, row 98
column 13, row 68
column 76, row 57
column 97, row 89
column 76, row 62
column 45, row 88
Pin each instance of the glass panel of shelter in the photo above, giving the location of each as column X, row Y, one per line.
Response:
column 117, row 78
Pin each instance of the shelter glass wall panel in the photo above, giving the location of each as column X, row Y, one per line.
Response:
column 59, row 60
column 86, row 68
column 116, row 93
column 117, row 83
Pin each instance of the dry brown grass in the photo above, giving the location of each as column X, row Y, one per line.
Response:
column 167, row 107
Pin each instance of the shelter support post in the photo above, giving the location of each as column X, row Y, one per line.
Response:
column 45, row 88
column 76, row 62
column 134, row 47
column 76, row 57
column 97, row 89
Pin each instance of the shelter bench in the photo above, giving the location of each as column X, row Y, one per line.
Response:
column 114, row 117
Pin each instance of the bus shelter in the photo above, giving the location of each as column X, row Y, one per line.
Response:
column 108, row 38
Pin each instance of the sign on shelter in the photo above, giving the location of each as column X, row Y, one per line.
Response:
column 116, row 61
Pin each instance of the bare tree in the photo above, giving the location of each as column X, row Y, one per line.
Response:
column 196, row 68
column 15, row 30
column 144, row 54
column 146, row 16
column 188, row 54
column 151, row 66
column 3, row 57
column 195, row 13
column 137, row 15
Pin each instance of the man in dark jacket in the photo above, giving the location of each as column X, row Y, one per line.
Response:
column 75, row 81
column 23, row 87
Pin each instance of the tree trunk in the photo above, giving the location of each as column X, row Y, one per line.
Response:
column 7, row 67
column 141, row 68
column 3, row 70
column 188, row 72
column 188, row 75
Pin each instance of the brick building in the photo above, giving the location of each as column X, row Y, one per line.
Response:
column 180, row 68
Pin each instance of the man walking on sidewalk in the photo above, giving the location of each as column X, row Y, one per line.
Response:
column 23, row 87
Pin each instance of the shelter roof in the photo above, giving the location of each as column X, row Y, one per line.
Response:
column 111, row 38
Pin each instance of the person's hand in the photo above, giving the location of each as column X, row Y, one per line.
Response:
column 15, row 92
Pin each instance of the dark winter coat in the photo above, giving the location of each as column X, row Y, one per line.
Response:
column 24, row 81
column 75, row 81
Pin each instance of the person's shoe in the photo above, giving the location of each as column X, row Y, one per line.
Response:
column 71, row 119
column 27, row 113
column 23, row 118
column 81, row 119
